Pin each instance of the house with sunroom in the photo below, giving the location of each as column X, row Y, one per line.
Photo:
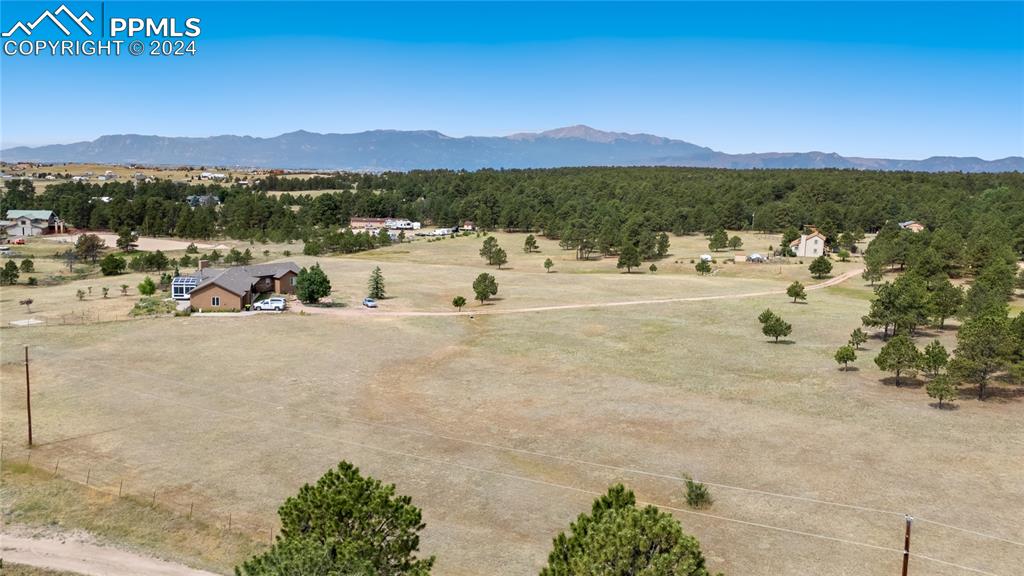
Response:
column 234, row 288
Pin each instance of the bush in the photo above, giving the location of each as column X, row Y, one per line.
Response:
column 150, row 306
column 147, row 287
column 697, row 494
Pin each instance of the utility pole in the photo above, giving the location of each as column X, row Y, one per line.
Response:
column 28, row 399
column 906, row 544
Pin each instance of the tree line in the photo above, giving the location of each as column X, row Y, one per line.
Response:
column 589, row 209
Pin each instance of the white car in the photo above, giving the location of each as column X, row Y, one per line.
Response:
column 275, row 303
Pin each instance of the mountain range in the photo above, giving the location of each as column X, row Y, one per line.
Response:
column 378, row 150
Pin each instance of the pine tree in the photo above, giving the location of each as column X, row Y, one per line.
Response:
column 796, row 291
column 629, row 258
column 618, row 539
column 845, row 355
column 857, row 337
column 820, row 267
column 345, row 524
column 942, row 389
column 898, row 356
column 311, row 285
column 375, row 288
column 484, row 287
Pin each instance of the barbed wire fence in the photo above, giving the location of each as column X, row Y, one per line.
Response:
column 105, row 481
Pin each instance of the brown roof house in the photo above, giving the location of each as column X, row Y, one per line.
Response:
column 234, row 288
column 912, row 225
column 809, row 245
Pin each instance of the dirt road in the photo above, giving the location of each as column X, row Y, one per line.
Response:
column 76, row 554
column 144, row 243
column 297, row 306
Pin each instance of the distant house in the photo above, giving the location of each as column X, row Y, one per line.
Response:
column 809, row 245
column 22, row 223
column 468, row 225
column 234, row 288
column 204, row 200
column 360, row 223
column 755, row 257
column 912, row 225
column 212, row 176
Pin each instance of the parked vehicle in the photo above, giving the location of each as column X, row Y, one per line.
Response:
column 369, row 302
column 275, row 303
column 18, row 241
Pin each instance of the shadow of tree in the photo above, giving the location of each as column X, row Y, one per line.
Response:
column 903, row 382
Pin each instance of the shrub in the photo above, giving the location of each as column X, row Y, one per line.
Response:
column 151, row 306
column 697, row 494
column 147, row 287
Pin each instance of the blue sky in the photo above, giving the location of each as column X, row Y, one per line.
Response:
column 906, row 80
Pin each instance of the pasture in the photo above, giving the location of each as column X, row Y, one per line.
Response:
column 503, row 428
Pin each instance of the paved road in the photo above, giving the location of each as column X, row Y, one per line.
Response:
column 297, row 306
column 75, row 555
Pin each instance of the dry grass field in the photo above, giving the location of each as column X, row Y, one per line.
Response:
column 503, row 428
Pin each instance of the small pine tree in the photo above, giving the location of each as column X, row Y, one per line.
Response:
column 697, row 494
column 934, row 359
column 898, row 356
column 459, row 302
column 147, row 287
column 942, row 389
column 653, row 268
column 81, row 294
column 9, row 273
column 774, row 326
column 629, row 258
column 484, row 287
column 375, row 287
column 845, row 355
column 796, row 291
column 857, row 337
column 703, row 267
column 820, row 267
column 548, row 265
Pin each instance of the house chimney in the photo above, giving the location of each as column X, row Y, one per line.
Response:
column 202, row 265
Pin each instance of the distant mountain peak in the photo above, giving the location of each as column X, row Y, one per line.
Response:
column 584, row 132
